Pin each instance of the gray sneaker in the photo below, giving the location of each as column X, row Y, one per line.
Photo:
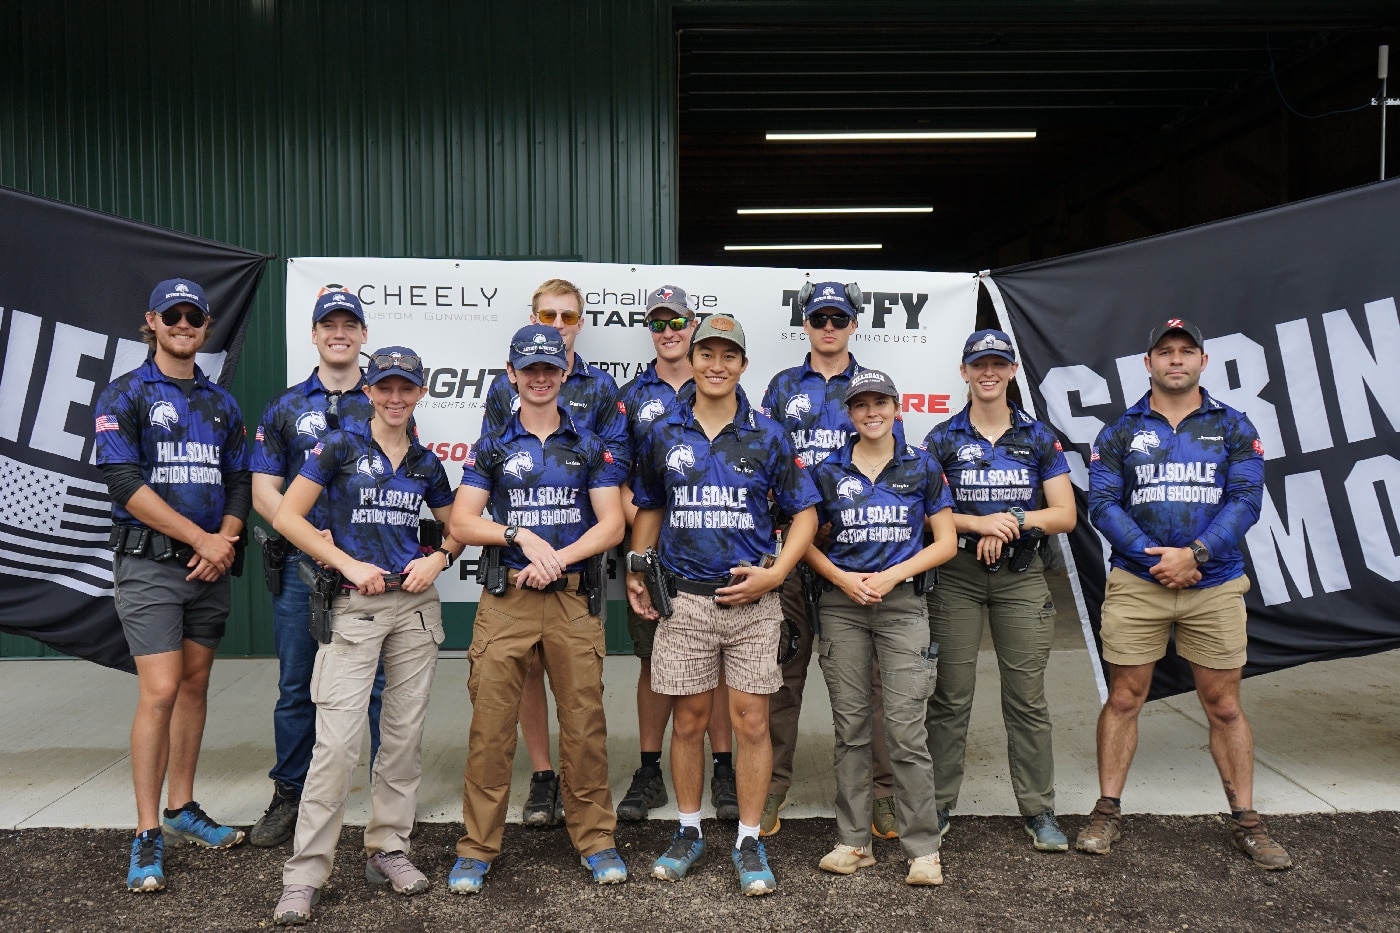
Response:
column 1045, row 833
column 279, row 821
column 294, row 908
column 395, row 870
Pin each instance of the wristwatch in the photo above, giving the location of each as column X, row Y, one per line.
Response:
column 445, row 553
column 1199, row 551
column 510, row 533
column 1019, row 514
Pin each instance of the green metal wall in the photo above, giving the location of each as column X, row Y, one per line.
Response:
column 537, row 128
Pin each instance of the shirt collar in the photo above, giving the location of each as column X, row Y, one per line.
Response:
column 851, row 368
column 150, row 372
column 744, row 417
column 514, row 430
column 314, row 384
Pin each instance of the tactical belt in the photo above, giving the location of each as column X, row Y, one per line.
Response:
column 568, row 582
column 699, row 587
column 140, row 541
column 392, row 581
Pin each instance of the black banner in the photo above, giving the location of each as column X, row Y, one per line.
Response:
column 1297, row 305
column 74, row 284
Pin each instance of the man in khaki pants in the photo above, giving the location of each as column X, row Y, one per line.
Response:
column 553, row 494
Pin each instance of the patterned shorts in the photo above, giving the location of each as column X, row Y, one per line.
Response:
column 690, row 644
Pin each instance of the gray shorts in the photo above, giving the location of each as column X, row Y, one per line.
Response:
column 159, row 608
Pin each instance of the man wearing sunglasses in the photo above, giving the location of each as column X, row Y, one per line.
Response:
column 172, row 450
column 294, row 422
column 648, row 399
column 809, row 401
column 590, row 397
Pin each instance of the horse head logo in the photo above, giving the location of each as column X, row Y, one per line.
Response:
column 312, row 423
column 680, row 458
column 519, row 463
column 651, row 410
column 370, row 465
column 798, row 406
column 164, row 414
column 849, row 488
column 970, row 453
column 1145, row 441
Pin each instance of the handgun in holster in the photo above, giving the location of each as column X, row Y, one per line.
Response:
column 1025, row 550
column 274, row 549
column 658, row 583
column 593, row 584
column 812, row 588
column 324, row 584
column 240, row 548
column 490, row 572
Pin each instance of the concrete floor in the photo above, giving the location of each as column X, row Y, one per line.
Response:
column 1327, row 738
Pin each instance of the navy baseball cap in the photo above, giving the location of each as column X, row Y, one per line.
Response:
column 1175, row 326
column 394, row 361
column 172, row 292
column 989, row 342
column 331, row 302
column 831, row 295
column 536, row 343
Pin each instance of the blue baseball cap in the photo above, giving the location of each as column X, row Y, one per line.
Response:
column 331, row 302
column 394, row 361
column 172, row 292
column 536, row 343
column 830, row 295
column 989, row 342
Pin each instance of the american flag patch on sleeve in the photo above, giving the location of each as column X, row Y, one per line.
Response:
column 107, row 423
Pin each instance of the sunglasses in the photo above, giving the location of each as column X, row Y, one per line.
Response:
column 658, row 325
column 819, row 320
column 988, row 343
column 547, row 316
column 173, row 316
column 386, row 361
column 530, row 349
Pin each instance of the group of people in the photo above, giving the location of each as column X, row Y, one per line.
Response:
column 755, row 536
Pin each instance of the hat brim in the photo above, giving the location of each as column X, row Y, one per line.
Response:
column 981, row 354
column 380, row 375
column 520, row 362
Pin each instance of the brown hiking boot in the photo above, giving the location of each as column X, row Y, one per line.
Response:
column 1104, row 829
column 1251, row 836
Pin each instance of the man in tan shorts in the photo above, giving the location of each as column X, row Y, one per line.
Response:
column 701, row 482
column 1174, row 484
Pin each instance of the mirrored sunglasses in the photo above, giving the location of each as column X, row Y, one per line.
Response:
column 658, row 325
column 386, row 361
column 988, row 343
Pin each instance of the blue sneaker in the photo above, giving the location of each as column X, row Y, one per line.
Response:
column 147, row 872
column 1046, row 833
column 467, row 876
column 684, row 851
column 751, row 861
column 607, row 866
column 193, row 825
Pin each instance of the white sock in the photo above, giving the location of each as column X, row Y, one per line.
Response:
column 692, row 821
column 745, row 832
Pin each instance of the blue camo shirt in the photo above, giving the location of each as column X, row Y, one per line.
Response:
column 648, row 398
column 875, row 526
column 715, row 494
column 374, row 509
column 987, row 478
column 185, row 446
column 542, row 486
column 812, row 409
column 590, row 397
column 1152, row 486
column 296, row 420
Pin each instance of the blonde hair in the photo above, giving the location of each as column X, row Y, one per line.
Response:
column 555, row 287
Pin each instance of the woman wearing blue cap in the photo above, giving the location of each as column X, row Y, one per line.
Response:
column 998, row 461
column 375, row 481
column 878, row 495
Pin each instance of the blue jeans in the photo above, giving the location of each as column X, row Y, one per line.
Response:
column 294, row 718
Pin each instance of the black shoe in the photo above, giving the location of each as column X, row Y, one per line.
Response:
column 724, row 794
column 279, row 822
column 647, row 792
column 542, row 803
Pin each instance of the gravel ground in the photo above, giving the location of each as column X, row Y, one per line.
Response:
column 1168, row 873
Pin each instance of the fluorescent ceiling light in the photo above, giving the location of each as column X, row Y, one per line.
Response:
column 835, row 210
column 902, row 136
column 807, row 246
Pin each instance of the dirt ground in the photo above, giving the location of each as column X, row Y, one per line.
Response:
column 1168, row 873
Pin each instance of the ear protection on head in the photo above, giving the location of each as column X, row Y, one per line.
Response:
column 804, row 295
column 853, row 294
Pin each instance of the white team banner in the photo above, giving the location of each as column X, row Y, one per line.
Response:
column 460, row 315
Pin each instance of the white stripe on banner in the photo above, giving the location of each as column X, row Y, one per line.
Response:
column 47, row 517
column 461, row 314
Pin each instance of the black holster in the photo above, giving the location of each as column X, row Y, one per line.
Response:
column 325, row 585
column 813, row 586
column 274, row 548
column 490, row 572
column 593, row 584
column 1024, row 550
column 660, row 586
column 429, row 534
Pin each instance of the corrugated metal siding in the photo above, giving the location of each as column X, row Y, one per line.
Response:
column 538, row 128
